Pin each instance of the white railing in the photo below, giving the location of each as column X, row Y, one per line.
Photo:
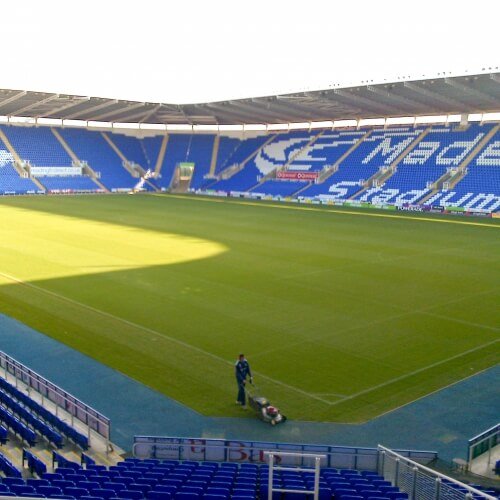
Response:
column 483, row 443
column 240, row 451
column 421, row 482
column 92, row 419
column 272, row 467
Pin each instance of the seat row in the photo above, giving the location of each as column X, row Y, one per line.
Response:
column 17, row 426
column 53, row 420
column 27, row 416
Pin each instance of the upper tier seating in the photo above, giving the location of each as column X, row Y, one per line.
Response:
column 177, row 151
column 227, row 146
column 378, row 150
column 131, row 148
column 277, row 153
column 441, row 149
column 480, row 187
column 38, row 145
column 187, row 148
column 280, row 151
column 200, row 153
column 249, row 175
column 151, row 147
column 325, row 151
column 91, row 147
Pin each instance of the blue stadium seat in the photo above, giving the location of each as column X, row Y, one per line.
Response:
column 19, row 489
column 143, row 488
column 159, row 495
column 130, row 494
column 75, row 492
column 62, row 483
column 49, row 491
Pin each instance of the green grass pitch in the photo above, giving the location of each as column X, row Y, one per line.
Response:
column 343, row 316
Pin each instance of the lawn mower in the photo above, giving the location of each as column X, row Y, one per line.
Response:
column 263, row 408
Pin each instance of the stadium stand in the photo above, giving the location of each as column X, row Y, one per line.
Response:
column 91, row 147
column 37, row 417
column 246, row 177
column 325, row 151
column 173, row 479
column 443, row 148
column 177, row 152
column 38, row 145
column 227, row 147
column 375, row 152
column 12, row 183
column 440, row 165
column 275, row 187
column 191, row 480
column 151, row 147
column 480, row 187
column 200, row 153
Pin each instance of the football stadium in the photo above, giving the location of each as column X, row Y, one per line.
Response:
column 275, row 295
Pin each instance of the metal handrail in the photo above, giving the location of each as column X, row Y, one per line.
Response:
column 435, row 473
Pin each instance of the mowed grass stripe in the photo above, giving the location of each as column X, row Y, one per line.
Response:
column 345, row 322
column 341, row 397
column 154, row 332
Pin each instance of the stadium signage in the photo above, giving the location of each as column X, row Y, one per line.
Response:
column 411, row 208
column 55, row 171
column 300, row 176
column 199, row 449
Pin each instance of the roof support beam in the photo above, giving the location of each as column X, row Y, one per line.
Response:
column 149, row 114
column 286, row 109
column 377, row 107
column 426, row 92
column 410, row 104
column 120, row 111
column 268, row 113
column 87, row 111
column 33, row 105
column 221, row 114
column 12, row 98
column 341, row 109
column 469, row 90
column 73, row 102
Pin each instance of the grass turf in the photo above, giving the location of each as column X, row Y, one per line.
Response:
column 343, row 316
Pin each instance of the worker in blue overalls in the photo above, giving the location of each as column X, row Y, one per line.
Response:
column 242, row 371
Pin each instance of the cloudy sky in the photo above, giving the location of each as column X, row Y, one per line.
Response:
column 182, row 51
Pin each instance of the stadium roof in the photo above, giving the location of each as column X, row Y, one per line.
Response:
column 478, row 93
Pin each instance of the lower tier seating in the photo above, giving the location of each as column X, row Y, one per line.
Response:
column 75, row 183
column 188, row 480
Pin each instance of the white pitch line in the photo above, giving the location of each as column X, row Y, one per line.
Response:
column 462, row 321
column 309, row 208
column 225, row 361
column 414, row 372
column 154, row 332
